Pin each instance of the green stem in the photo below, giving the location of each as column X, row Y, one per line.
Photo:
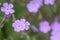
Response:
column 13, row 16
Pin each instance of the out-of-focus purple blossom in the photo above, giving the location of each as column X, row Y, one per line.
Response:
column 27, row 25
column 35, row 29
column 47, row 2
column 7, row 8
column 44, row 26
column 34, row 5
column 55, row 26
column 55, row 33
column 21, row 25
column 55, row 37
column 38, row 3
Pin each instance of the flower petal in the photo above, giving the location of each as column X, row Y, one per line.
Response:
column 11, row 5
column 11, row 11
column 2, row 9
column 6, row 13
column 5, row 4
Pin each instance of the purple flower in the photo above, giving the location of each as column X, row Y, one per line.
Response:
column 44, row 26
column 27, row 25
column 55, row 37
column 20, row 25
column 31, row 7
column 55, row 33
column 7, row 8
column 34, row 5
column 17, row 26
column 38, row 3
column 55, row 26
column 51, row 2
column 35, row 29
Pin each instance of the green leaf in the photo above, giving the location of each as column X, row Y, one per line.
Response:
column 58, row 6
column 42, row 36
column 47, row 13
column 2, row 1
column 46, row 9
column 19, row 10
column 1, row 35
column 1, row 16
column 9, row 31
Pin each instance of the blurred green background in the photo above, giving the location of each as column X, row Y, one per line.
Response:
column 47, row 12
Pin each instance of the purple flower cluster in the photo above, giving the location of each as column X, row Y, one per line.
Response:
column 55, row 27
column 55, row 34
column 7, row 9
column 20, row 25
column 34, row 5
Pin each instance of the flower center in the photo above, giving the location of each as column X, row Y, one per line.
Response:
column 32, row 7
column 48, row 0
column 44, row 27
column 19, row 26
column 7, row 8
